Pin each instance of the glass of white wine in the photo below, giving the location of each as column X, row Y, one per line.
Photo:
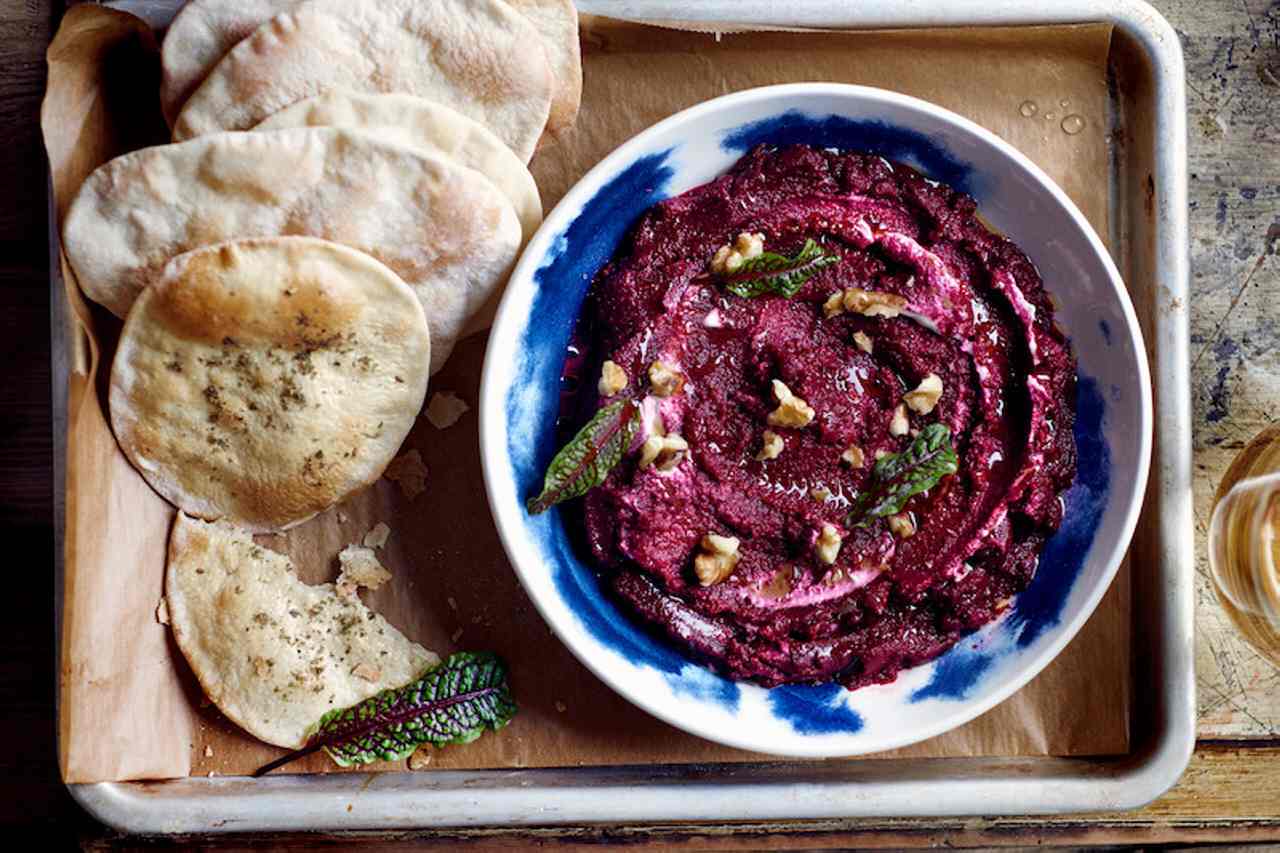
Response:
column 1244, row 544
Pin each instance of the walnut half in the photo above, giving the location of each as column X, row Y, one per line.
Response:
column 791, row 411
column 665, row 379
column 853, row 456
column 729, row 258
column 717, row 559
column 665, row 450
column 871, row 303
column 828, row 545
column 771, row 446
column 902, row 525
column 926, row 395
column 900, row 425
column 612, row 379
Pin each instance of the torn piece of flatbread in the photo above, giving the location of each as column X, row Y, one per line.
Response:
column 273, row 653
column 199, row 36
column 377, row 535
column 480, row 57
column 557, row 21
column 445, row 408
column 425, row 124
column 360, row 568
column 445, row 229
column 263, row 381
column 409, row 472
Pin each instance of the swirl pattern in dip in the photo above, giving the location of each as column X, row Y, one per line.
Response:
column 736, row 521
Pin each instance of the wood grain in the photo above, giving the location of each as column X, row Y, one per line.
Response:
column 1231, row 792
column 1233, row 63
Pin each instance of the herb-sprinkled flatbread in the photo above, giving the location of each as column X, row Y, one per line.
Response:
column 480, row 57
column 425, row 124
column 445, row 229
column 265, row 380
column 273, row 653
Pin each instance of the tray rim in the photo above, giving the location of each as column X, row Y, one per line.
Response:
column 797, row 790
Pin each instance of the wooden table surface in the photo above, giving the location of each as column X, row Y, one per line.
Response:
column 1231, row 792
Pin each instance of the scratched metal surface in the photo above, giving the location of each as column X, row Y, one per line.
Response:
column 1233, row 69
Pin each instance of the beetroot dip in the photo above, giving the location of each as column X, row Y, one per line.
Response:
column 972, row 314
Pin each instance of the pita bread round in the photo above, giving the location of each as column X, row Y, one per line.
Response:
column 420, row 123
column 557, row 21
column 201, row 34
column 445, row 229
column 263, row 381
column 273, row 653
column 478, row 56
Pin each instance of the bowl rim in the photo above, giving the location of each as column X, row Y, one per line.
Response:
column 492, row 405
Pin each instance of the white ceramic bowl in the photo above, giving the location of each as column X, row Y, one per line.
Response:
column 520, row 399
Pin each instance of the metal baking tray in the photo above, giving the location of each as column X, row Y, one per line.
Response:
column 1149, row 221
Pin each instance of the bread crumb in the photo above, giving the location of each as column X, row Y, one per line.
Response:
column 420, row 759
column 453, row 603
column 342, row 517
column 367, row 671
column 377, row 537
column 360, row 567
column 208, row 751
column 445, row 409
column 561, row 707
column 408, row 471
column 162, row 612
column 456, row 635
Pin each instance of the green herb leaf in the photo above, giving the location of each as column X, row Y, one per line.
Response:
column 898, row 477
column 453, row 703
column 589, row 456
column 777, row 274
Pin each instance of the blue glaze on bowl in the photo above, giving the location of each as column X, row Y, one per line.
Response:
column 532, row 406
column 814, row 708
column 956, row 673
column 1039, row 607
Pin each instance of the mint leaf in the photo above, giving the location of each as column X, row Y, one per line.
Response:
column 453, row 703
column 777, row 274
column 589, row 456
column 898, row 477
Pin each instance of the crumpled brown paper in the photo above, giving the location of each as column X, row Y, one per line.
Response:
column 129, row 706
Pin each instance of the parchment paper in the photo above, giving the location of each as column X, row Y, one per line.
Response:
column 129, row 706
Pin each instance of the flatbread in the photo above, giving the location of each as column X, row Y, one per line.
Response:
column 557, row 21
column 424, row 124
column 265, row 380
column 478, row 56
column 273, row 653
column 204, row 31
column 445, row 229
column 201, row 34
